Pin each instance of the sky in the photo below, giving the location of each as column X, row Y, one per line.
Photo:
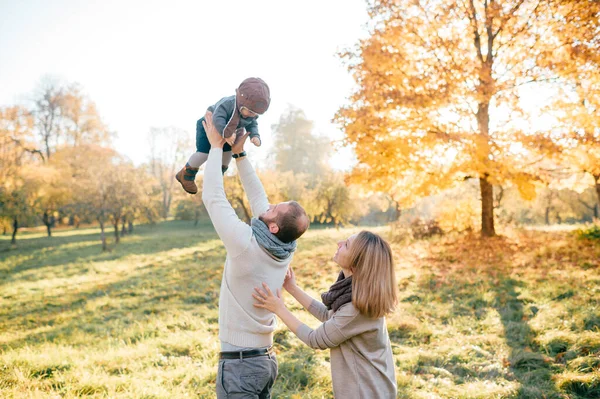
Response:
column 162, row 63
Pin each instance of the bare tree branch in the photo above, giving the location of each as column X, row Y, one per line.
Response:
column 473, row 19
column 507, row 17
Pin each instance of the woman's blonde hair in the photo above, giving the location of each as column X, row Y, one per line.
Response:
column 373, row 276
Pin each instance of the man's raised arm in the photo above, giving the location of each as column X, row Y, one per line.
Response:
column 234, row 233
column 252, row 185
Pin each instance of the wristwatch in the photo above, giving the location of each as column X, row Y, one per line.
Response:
column 240, row 155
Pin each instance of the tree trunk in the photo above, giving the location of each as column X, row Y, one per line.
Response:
column 396, row 212
column 13, row 241
column 48, row 222
column 102, row 235
column 487, row 208
column 117, row 237
column 165, row 204
column 247, row 216
column 485, row 90
column 597, row 181
column 168, row 204
column 487, row 190
column 123, row 230
column 130, row 226
column 596, row 211
column 196, row 217
column 47, row 143
column 547, row 215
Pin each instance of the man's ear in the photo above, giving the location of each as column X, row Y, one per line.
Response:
column 273, row 228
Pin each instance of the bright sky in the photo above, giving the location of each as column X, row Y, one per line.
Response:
column 161, row 63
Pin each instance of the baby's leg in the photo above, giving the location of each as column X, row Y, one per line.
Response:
column 187, row 175
column 225, row 161
column 197, row 159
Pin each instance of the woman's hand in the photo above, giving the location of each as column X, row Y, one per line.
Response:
column 214, row 138
column 267, row 300
column 290, row 280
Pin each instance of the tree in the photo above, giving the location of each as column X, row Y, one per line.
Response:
column 16, row 140
column 48, row 113
column 335, row 200
column 64, row 114
column 296, row 148
column 16, row 149
column 90, row 167
column 103, row 187
column 237, row 197
column 50, row 193
column 15, row 205
column 438, row 90
column 82, row 122
column 123, row 192
column 190, row 208
column 168, row 149
column 590, row 203
column 578, row 64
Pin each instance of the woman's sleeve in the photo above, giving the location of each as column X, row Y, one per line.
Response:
column 344, row 324
column 319, row 310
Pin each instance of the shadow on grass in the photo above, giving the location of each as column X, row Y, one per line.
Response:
column 187, row 283
column 462, row 275
column 57, row 251
column 530, row 368
column 298, row 365
column 29, row 241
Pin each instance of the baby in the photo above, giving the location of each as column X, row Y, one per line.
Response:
column 231, row 115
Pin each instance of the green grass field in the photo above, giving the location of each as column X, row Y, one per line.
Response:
column 513, row 317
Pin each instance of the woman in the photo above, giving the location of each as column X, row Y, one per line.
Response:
column 353, row 319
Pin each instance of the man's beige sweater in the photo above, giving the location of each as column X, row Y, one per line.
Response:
column 247, row 264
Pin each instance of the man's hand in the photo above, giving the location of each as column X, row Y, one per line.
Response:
column 255, row 141
column 214, row 138
column 238, row 145
column 231, row 139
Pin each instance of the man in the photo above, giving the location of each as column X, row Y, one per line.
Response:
column 256, row 253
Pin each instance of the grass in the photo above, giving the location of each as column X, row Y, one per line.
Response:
column 512, row 317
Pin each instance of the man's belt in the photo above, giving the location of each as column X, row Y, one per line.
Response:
column 247, row 354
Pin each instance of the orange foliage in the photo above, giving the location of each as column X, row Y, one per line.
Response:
column 438, row 89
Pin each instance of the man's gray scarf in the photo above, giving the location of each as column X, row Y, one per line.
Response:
column 270, row 242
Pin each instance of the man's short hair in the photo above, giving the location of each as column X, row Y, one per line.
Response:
column 293, row 223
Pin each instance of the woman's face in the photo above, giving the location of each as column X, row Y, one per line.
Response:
column 342, row 254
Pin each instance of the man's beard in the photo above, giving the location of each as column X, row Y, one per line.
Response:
column 265, row 220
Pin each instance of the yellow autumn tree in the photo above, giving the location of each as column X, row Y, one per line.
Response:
column 578, row 105
column 82, row 123
column 16, row 150
column 438, row 96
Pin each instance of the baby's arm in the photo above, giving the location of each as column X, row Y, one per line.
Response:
column 253, row 129
column 254, row 136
